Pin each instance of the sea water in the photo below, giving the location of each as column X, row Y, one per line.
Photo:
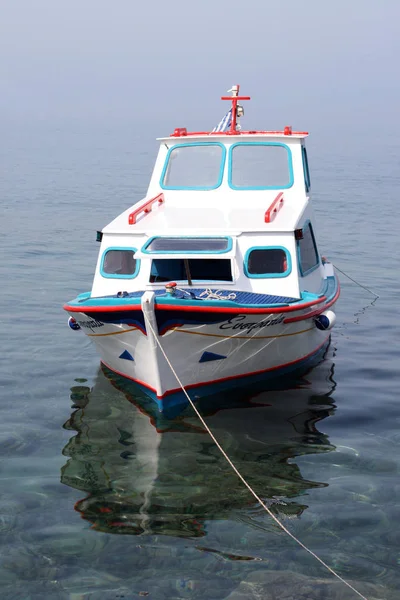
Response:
column 101, row 497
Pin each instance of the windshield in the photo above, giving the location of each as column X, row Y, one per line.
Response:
column 194, row 167
column 178, row 269
column 261, row 165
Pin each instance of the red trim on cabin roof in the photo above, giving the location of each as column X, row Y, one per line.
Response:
column 181, row 131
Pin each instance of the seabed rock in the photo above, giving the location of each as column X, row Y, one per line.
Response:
column 287, row 585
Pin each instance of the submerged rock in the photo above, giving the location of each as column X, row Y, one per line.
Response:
column 288, row 585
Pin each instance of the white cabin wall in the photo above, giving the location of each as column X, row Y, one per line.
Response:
column 154, row 185
column 218, row 205
column 216, row 199
column 279, row 286
column 284, row 286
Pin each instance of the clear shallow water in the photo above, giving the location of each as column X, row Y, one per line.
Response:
column 102, row 499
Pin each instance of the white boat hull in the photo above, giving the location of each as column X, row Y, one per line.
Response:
column 203, row 355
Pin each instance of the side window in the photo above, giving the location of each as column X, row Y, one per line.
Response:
column 119, row 263
column 267, row 262
column 307, row 180
column 307, row 249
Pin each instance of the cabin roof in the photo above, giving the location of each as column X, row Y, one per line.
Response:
column 193, row 220
column 226, row 137
column 217, row 209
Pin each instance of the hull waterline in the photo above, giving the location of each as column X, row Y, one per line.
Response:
column 175, row 400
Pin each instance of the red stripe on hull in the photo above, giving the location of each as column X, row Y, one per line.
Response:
column 209, row 309
column 146, row 385
column 314, row 313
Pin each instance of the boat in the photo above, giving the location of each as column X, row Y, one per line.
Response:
column 217, row 272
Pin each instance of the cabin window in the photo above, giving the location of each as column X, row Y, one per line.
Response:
column 194, row 167
column 119, row 263
column 267, row 262
column 307, row 251
column 200, row 269
column 260, row 166
column 169, row 245
column 307, row 180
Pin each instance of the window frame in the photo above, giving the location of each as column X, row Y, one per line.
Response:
column 306, row 225
column 188, row 237
column 261, row 187
column 267, row 275
column 306, row 170
column 193, row 188
column 120, row 275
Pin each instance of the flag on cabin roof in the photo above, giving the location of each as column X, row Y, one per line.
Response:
column 225, row 122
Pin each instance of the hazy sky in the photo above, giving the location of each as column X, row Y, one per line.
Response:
column 125, row 59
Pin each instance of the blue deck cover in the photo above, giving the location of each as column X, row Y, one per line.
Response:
column 240, row 297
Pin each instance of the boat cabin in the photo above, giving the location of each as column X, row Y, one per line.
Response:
column 224, row 209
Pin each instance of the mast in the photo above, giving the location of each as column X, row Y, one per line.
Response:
column 234, row 99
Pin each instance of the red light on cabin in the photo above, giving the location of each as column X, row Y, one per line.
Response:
column 298, row 234
column 287, row 130
column 179, row 131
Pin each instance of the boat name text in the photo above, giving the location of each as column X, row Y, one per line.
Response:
column 239, row 323
column 90, row 324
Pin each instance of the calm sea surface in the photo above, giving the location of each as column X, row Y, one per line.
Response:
column 101, row 498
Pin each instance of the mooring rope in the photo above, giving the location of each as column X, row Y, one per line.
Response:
column 208, row 294
column 356, row 282
column 265, row 507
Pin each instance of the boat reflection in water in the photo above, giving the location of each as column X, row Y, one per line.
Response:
column 144, row 474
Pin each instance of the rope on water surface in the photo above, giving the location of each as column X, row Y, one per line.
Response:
column 265, row 507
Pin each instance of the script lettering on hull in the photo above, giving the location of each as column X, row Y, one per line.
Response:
column 240, row 323
column 90, row 324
